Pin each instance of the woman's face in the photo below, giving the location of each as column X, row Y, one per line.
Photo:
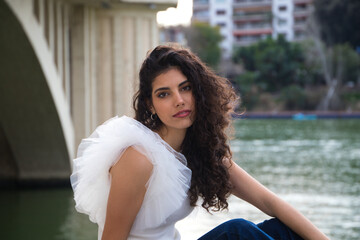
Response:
column 173, row 99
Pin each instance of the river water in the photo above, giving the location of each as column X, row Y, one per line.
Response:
column 314, row 165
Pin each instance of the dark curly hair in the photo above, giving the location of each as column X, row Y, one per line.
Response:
column 205, row 145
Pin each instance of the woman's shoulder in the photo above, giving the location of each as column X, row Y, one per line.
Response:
column 133, row 162
column 118, row 126
column 124, row 132
column 118, row 139
column 119, row 133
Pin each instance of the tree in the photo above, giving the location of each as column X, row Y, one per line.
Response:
column 338, row 64
column 278, row 63
column 204, row 40
column 339, row 21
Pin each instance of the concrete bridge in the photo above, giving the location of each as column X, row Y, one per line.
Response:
column 65, row 67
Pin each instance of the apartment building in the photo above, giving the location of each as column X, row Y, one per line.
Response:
column 244, row 22
column 217, row 13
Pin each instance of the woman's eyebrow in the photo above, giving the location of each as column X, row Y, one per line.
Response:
column 167, row 88
column 184, row 82
column 160, row 89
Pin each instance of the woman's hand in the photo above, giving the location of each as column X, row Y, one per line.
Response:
column 128, row 179
column 250, row 190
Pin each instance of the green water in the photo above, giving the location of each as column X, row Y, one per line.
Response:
column 314, row 165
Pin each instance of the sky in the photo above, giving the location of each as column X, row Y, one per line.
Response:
column 181, row 15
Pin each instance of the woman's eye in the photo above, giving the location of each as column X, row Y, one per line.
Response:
column 186, row 88
column 162, row 95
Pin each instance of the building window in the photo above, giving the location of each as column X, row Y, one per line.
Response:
column 201, row 13
column 220, row 12
column 201, row 1
column 248, row 38
column 221, row 24
column 299, row 35
column 282, row 8
column 300, row 7
column 282, row 22
column 240, row 26
column 299, row 21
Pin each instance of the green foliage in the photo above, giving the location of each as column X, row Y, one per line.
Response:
column 284, row 69
column 248, row 90
column 349, row 60
column 278, row 63
column 351, row 97
column 312, row 66
column 246, row 81
column 342, row 62
column 294, row 97
column 204, row 40
column 339, row 21
column 246, row 56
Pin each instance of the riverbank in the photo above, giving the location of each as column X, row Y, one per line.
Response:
column 300, row 115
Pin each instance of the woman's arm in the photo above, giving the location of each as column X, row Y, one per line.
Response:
column 250, row 190
column 128, row 179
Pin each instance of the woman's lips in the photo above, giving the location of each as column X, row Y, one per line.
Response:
column 182, row 114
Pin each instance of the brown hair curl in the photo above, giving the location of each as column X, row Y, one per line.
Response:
column 205, row 145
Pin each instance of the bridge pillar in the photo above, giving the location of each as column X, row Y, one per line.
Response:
column 108, row 46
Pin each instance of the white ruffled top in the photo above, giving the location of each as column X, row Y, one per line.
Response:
column 166, row 200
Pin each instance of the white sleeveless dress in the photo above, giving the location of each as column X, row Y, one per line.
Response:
column 166, row 200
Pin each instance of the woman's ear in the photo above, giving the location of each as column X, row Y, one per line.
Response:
column 150, row 107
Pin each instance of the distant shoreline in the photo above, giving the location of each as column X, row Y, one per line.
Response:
column 300, row 115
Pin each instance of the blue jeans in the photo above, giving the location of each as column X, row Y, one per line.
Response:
column 241, row 229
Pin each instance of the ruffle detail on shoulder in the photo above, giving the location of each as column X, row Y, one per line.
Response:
column 167, row 187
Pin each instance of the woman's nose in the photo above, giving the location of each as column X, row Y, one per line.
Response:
column 179, row 100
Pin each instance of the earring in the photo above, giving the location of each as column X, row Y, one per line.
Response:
column 153, row 116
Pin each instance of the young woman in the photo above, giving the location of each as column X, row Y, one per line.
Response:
column 137, row 177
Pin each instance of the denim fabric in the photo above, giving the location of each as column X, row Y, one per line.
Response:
column 241, row 229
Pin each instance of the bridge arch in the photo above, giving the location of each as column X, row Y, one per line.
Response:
column 36, row 132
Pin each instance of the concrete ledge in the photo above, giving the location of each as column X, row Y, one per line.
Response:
column 34, row 184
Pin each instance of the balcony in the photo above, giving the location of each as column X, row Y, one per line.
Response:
column 302, row 13
column 204, row 19
column 252, row 3
column 252, row 32
column 302, row 21
column 300, row 27
column 201, row 4
column 201, row 16
column 250, row 26
column 248, row 40
column 299, row 35
column 167, row 2
column 252, row 16
column 201, row 7
column 296, row 2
